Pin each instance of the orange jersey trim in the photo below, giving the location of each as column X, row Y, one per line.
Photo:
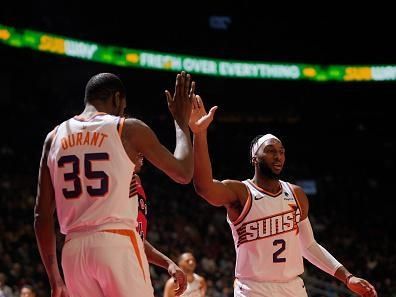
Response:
column 132, row 237
column 246, row 208
column 295, row 196
column 83, row 119
column 54, row 131
column 264, row 191
column 120, row 126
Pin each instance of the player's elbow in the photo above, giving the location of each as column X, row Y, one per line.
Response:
column 200, row 189
column 182, row 179
column 185, row 181
column 183, row 176
column 187, row 177
column 202, row 186
column 304, row 247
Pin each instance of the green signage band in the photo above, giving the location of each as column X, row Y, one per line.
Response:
column 127, row 57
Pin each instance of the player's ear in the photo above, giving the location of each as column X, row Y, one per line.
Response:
column 253, row 161
column 117, row 100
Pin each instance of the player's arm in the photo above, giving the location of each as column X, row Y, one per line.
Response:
column 215, row 192
column 179, row 165
column 170, row 287
column 203, row 286
column 44, row 223
column 159, row 259
column 320, row 257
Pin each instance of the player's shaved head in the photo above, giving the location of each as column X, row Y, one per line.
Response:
column 103, row 86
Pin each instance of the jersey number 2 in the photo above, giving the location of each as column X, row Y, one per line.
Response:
column 74, row 176
column 275, row 256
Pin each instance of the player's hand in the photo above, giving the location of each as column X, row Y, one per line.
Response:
column 59, row 291
column 361, row 287
column 179, row 277
column 199, row 119
column 180, row 103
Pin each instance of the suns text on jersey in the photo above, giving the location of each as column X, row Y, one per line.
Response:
column 269, row 226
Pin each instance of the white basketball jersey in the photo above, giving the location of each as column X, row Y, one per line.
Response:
column 266, row 236
column 193, row 288
column 91, row 174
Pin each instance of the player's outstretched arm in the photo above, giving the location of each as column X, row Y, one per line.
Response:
column 215, row 192
column 44, row 224
column 320, row 257
column 179, row 279
column 141, row 139
column 180, row 106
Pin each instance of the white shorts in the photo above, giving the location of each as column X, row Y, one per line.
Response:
column 248, row 288
column 106, row 263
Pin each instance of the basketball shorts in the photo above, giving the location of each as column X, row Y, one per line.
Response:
column 248, row 288
column 106, row 263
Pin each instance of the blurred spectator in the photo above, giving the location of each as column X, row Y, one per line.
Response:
column 5, row 291
column 27, row 291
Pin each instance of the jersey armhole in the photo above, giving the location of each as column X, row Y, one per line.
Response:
column 53, row 135
column 245, row 210
column 295, row 196
column 120, row 125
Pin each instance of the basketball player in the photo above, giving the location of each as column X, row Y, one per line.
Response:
column 153, row 255
column 136, row 188
column 85, row 173
column 268, row 219
column 27, row 291
column 196, row 285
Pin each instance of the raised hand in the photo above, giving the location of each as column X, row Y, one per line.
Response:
column 180, row 103
column 200, row 119
column 361, row 287
column 179, row 277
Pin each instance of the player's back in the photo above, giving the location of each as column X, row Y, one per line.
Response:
column 91, row 174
